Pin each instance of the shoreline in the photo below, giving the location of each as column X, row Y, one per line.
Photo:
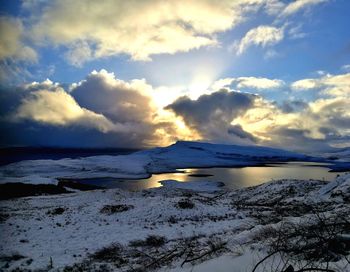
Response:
column 20, row 189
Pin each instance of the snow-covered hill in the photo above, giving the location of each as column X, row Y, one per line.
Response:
column 184, row 154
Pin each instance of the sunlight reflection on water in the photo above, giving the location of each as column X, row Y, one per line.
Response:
column 232, row 177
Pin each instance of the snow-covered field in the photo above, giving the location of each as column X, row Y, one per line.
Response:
column 193, row 229
column 142, row 164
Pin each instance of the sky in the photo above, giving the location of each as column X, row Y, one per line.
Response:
column 144, row 73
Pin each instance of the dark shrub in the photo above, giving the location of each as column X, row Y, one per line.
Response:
column 185, row 204
column 113, row 253
column 76, row 185
column 172, row 219
column 3, row 217
column 56, row 211
column 111, row 209
column 150, row 241
column 9, row 258
column 18, row 189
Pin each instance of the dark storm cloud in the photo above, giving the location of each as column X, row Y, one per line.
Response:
column 117, row 100
column 212, row 114
column 10, row 98
column 30, row 133
column 222, row 105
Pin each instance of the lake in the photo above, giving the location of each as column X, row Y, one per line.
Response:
column 232, row 177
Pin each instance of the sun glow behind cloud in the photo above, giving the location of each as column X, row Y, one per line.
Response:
column 199, row 86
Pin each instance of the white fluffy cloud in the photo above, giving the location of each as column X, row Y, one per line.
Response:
column 137, row 28
column 90, row 29
column 304, row 84
column 262, row 36
column 59, row 108
column 334, row 85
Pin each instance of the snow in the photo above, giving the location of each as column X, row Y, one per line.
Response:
column 227, row 263
column 32, row 179
column 29, row 228
column 40, row 171
column 200, row 186
column 142, row 164
column 339, row 185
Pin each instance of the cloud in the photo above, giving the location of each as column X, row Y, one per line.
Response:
column 295, row 32
column 261, row 36
column 266, row 35
column 12, row 71
column 136, row 28
column 11, row 42
column 120, row 112
column 300, row 125
column 274, row 7
column 103, row 102
column 120, row 101
column 334, row 85
column 100, row 103
column 54, row 106
column 304, row 84
column 258, row 83
column 15, row 55
column 211, row 115
column 270, row 54
column 238, row 131
column 78, row 53
column 143, row 28
column 346, row 67
column 87, row 30
column 298, row 5
column 59, row 108
column 104, row 110
column 293, row 106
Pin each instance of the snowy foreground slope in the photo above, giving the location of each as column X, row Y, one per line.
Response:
column 298, row 223
column 143, row 164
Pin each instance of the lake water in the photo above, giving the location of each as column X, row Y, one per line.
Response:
column 232, row 177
